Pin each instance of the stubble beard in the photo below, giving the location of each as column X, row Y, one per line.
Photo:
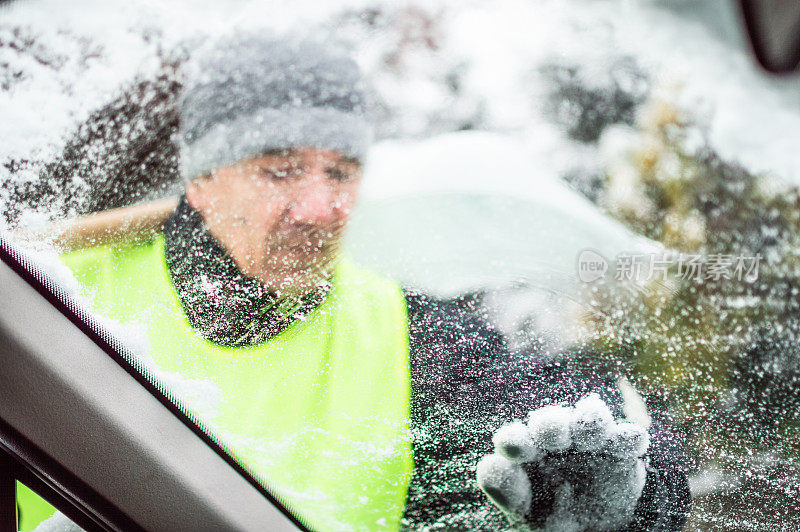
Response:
column 299, row 259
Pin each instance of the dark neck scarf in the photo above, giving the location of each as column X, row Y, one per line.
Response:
column 222, row 304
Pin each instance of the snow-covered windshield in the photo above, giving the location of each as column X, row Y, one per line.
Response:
column 604, row 184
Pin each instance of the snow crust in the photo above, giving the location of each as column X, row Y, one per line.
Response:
column 498, row 44
column 58, row 522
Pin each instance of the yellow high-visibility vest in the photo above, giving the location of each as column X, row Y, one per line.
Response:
column 320, row 412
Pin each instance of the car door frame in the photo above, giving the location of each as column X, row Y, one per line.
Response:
column 83, row 425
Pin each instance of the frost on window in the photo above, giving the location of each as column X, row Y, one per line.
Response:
column 559, row 199
column 58, row 522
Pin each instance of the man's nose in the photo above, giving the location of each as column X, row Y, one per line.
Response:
column 316, row 200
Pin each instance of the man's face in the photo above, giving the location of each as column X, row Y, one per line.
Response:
column 280, row 215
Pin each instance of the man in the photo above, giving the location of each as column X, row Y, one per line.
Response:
column 324, row 368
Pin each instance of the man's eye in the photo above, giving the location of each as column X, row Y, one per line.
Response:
column 276, row 175
column 341, row 176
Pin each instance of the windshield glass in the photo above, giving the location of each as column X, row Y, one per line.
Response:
column 357, row 242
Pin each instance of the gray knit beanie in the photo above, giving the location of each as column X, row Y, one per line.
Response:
column 251, row 93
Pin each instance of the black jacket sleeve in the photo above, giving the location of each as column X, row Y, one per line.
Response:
column 466, row 383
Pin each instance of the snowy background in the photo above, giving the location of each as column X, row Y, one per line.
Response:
column 528, row 113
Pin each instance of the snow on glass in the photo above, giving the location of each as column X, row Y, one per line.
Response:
column 619, row 114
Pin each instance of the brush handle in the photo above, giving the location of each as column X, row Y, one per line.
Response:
column 125, row 224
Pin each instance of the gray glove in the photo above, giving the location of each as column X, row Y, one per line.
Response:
column 567, row 469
